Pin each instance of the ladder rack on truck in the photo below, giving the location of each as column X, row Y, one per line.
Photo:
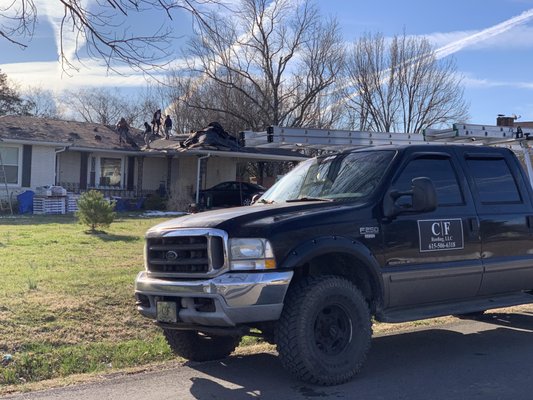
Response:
column 326, row 139
column 480, row 134
column 514, row 137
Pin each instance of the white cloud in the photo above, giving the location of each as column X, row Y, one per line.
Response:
column 517, row 37
column 54, row 12
column 520, row 37
column 477, row 83
column 453, row 42
column 48, row 74
column 484, row 35
column 87, row 72
column 441, row 39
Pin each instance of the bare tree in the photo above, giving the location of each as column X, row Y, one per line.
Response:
column 107, row 106
column 42, row 103
column 401, row 86
column 182, row 93
column 97, row 105
column 195, row 102
column 103, row 28
column 271, row 61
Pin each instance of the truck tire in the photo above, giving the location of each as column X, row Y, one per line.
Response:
column 324, row 332
column 195, row 346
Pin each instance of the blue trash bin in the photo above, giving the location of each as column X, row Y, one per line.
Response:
column 25, row 202
column 121, row 204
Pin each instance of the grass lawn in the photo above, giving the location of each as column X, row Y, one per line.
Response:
column 66, row 298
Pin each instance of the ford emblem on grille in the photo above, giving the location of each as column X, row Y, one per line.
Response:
column 171, row 255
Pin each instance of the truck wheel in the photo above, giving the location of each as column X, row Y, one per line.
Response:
column 196, row 346
column 324, row 331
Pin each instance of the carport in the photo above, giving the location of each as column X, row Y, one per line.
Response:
column 173, row 149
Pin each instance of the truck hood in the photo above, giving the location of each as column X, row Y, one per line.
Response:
column 256, row 215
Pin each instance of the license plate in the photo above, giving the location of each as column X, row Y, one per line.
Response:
column 167, row 312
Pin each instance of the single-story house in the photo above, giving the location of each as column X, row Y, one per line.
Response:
column 78, row 156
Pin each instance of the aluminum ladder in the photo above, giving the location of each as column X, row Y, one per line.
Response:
column 3, row 179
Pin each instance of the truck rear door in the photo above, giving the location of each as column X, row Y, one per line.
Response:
column 433, row 256
column 505, row 212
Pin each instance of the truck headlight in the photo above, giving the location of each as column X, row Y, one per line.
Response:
column 251, row 254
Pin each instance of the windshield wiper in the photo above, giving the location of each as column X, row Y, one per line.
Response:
column 263, row 201
column 307, row 199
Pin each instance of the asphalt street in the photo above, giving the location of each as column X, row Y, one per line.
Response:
column 488, row 358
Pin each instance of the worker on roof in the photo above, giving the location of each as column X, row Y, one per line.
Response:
column 122, row 128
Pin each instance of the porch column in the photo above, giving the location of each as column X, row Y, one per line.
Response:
column 199, row 164
column 169, row 174
column 84, row 166
column 140, row 165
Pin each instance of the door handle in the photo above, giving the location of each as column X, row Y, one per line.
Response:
column 529, row 220
column 473, row 227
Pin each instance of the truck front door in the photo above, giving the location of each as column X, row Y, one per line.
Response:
column 433, row 256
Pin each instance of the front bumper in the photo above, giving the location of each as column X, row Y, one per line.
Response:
column 237, row 298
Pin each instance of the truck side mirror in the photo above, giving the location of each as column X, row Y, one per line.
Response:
column 423, row 198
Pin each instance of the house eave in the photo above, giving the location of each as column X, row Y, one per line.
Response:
column 236, row 154
column 34, row 142
column 100, row 150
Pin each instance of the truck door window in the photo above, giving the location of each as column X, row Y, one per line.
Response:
column 494, row 181
column 442, row 174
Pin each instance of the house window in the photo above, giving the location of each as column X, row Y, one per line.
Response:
column 111, row 172
column 10, row 159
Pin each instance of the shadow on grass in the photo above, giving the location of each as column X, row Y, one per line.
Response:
column 109, row 237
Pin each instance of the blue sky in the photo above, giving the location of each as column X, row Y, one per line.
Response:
column 491, row 40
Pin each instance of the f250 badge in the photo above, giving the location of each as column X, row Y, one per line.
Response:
column 440, row 234
column 369, row 232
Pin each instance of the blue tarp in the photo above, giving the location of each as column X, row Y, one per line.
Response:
column 25, row 202
column 127, row 204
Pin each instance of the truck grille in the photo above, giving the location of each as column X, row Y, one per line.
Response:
column 185, row 255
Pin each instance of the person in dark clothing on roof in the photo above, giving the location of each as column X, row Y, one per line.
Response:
column 156, row 122
column 168, row 126
column 147, row 134
column 122, row 128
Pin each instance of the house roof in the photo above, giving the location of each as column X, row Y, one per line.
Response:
column 91, row 136
column 75, row 135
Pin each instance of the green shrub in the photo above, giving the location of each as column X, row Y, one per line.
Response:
column 154, row 202
column 95, row 211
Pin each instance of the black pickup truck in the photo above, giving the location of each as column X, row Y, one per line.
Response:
column 391, row 233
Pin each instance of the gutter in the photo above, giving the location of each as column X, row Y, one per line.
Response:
column 253, row 156
column 34, row 142
column 98, row 150
column 61, row 149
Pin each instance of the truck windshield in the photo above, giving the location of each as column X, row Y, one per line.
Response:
column 345, row 176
